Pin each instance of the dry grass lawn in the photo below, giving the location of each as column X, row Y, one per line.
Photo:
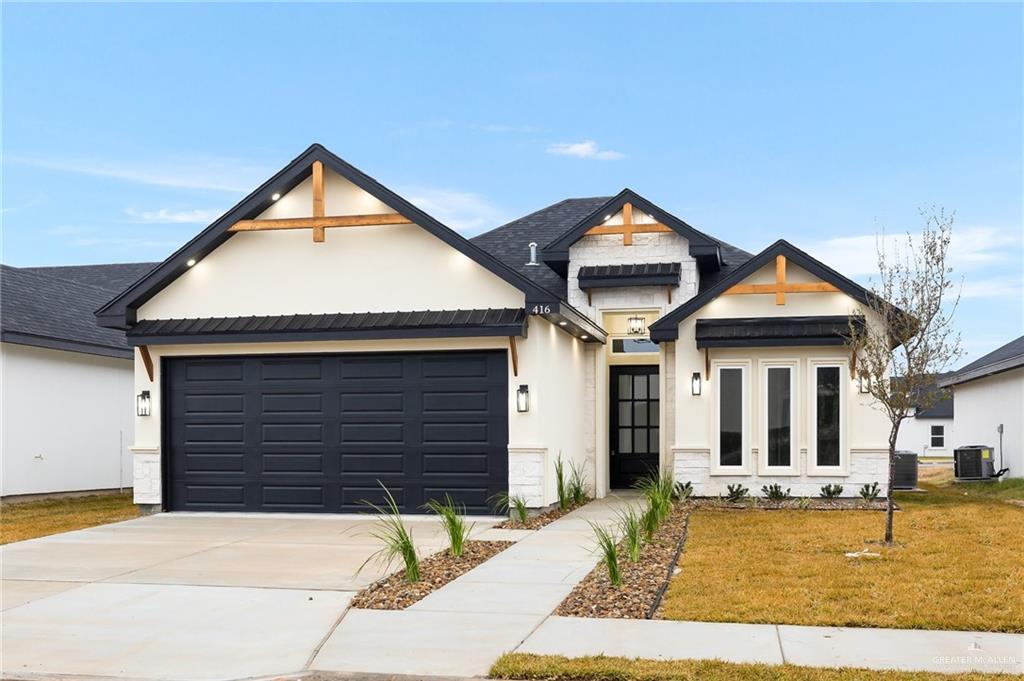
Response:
column 957, row 565
column 30, row 519
column 554, row 668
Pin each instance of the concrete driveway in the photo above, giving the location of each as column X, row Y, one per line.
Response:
column 197, row 596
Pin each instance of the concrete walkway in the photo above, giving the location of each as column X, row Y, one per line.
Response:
column 904, row 649
column 464, row 627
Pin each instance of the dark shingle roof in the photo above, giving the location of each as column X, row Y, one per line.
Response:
column 341, row 326
column 38, row 307
column 510, row 242
column 1005, row 358
column 115, row 277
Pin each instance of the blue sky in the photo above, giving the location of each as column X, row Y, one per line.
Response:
column 127, row 128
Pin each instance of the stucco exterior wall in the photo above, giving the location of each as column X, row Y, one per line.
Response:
column 982, row 405
column 866, row 429
column 915, row 436
column 92, row 400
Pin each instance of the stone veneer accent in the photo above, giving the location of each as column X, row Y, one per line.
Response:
column 146, row 476
column 526, row 474
column 590, row 356
column 866, row 466
column 608, row 250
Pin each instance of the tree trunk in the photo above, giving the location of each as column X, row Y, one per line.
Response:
column 888, row 495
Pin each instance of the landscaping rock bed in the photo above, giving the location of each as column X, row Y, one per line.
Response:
column 642, row 582
column 538, row 521
column 394, row 593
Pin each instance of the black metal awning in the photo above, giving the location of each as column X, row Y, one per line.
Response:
column 342, row 326
column 643, row 274
column 774, row 331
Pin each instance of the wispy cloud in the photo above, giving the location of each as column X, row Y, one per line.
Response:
column 465, row 212
column 971, row 248
column 588, row 149
column 512, row 129
column 167, row 216
column 995, row 287
column 85, row 237
column 197, row 172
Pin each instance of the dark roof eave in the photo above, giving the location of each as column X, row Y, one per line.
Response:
column 985, row 371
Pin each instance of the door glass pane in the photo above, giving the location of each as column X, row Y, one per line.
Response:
column 779, row 413
column 639, row 387
column 639, row 413
column 653, row 434
column 625, row 441
column 625, row 386
column 653, row 382
column 653, row 414
column 640, row 441
column 625, row 414
column 730, row 417
column 827, row 426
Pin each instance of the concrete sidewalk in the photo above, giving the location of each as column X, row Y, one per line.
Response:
column 903, row 649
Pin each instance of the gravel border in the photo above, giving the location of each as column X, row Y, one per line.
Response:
column 394, row 593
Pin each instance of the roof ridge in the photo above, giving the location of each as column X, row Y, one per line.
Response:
column 539, row 210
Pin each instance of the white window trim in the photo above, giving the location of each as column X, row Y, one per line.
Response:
column 813, row 468
column 744, row 468
column 794, row 407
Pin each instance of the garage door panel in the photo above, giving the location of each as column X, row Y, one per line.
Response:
column 317, row 433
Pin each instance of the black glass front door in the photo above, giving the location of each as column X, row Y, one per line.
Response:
column 633, row 440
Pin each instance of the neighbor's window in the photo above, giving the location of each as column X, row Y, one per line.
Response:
column 938, row 436
column 730, row 416
column 827, row 415
column 632, row 345
column 779, row 419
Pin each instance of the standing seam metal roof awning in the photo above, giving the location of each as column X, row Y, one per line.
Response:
column 774, row 331
column 642, row 274
column 341, row 326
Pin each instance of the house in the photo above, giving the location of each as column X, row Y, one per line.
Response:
column 989, row 396
column 929, row 433
column 54, row 359
column 325, row 334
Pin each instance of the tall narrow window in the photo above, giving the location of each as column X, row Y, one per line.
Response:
column 779, row 419
column 827, row 411
column 938, row 436
column 730, row 416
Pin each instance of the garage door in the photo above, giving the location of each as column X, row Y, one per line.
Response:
column 314, row 433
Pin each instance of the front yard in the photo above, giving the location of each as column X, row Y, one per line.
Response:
column 30, row 519
column 957, row 565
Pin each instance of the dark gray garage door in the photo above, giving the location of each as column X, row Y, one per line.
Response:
column 314, row 433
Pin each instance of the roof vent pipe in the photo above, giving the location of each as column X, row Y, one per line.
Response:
column 533, row 254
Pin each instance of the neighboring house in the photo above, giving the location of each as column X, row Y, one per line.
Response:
column 989, row 396
column 929, row 432
column 58, row 367
column 325, row 334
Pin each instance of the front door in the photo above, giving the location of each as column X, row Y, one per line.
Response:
column 634, row 424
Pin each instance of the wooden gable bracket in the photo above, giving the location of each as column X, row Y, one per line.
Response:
column 320, row 219
column 780, row 288
column 628, row 228
column 514, row 352
column 147, row 361
column 707, row 364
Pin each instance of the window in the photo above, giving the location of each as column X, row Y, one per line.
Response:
column 828, row 416
column 779, row 416
column 938, row 436
column 731, row 416
column 633, row 345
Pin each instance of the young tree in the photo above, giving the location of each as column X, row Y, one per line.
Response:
column 909, row 334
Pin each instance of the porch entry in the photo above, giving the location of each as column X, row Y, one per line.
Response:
column 634, row 424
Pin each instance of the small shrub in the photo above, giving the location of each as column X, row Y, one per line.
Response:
column 805, row 503
column 682, row 491
column 870, row 492
column 608, row 545
column 453, row 518
column 514, row 505
column 659, row 492
column 774, row 492
column 831, row 491
column 577, row 485
column 736, row 493
column 560, row 483
column 395, row 536
column 632, row 526
column 650, row 521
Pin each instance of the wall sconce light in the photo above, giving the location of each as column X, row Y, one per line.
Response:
column 523, row 399
column 636, row 326
column 864, row 384
column 143, row 404
column 695, row 383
